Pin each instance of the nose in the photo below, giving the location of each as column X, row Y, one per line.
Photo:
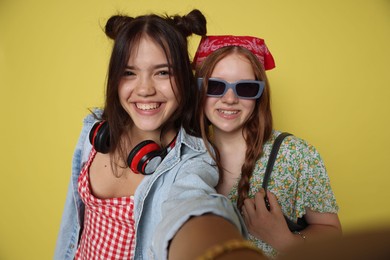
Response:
column 145, row 87
column 229, row 97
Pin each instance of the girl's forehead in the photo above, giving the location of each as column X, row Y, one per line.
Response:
column 233, row 67
column 151, row 44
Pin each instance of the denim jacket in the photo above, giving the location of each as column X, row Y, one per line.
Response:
column 181, row 187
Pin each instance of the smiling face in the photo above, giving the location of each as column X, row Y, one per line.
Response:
column 147, row 88
column 229, row 113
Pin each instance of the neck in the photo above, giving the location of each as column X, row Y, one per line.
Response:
column 232, row 149
column 228, row 140
column 137, row 135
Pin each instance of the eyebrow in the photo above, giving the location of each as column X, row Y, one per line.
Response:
column 158, row 66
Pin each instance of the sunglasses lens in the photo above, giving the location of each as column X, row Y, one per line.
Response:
column 215, row 88
column 247, row 89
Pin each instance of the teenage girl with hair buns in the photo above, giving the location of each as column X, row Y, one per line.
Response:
column 142, row 184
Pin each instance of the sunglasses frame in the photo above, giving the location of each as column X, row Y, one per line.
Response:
column 233, row 86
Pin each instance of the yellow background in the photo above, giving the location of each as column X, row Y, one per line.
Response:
column 331, row 87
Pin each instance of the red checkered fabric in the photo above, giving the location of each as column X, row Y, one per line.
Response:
column 257, row 46
column 108, row 223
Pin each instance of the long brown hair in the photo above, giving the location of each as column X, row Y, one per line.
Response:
column 170, row 33
column 256, row 130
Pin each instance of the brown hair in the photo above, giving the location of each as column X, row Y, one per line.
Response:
column 256, row 130
column 170, row 33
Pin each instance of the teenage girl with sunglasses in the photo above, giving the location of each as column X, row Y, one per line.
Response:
column 236, row 119
column 135, row 199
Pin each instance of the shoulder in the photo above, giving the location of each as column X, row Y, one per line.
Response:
column 89, row 121
column 84, row 145
column 191, row 151
column 95, row 115
column 294, row 143
column 293, row 149
column 194, row 143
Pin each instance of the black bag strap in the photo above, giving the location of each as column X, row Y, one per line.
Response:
column 272, row 157
column 301, row 222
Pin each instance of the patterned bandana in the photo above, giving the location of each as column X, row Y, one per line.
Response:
column 208, row 44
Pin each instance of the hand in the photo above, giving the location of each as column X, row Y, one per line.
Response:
column 269, row 226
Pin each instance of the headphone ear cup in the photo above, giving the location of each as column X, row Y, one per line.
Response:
column 145, row 157
column 99, row 136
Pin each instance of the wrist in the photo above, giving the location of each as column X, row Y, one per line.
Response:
column 301, row 235
column 246, row 248
column 287, row 241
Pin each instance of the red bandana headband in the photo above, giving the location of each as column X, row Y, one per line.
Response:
column 209, row 44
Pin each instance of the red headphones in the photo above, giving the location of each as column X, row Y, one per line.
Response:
column 144, row 158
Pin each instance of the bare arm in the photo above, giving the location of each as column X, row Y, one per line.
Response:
column 201, row 233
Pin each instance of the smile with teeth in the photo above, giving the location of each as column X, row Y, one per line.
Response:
column 228, row 112
column 148, row 106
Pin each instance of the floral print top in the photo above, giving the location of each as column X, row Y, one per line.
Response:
column 298, row 179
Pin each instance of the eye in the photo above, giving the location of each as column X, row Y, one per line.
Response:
column 163, row 73
column 128, row 73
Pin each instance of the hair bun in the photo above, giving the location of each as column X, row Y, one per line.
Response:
column 193, row 22
column 115, row 24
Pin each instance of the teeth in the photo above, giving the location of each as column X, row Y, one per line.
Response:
column 148, row 106
column 228, row 112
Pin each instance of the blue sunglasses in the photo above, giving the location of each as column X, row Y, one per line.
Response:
column 248, row 89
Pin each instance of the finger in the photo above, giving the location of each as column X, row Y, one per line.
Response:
column 244, row 213
column 250, row 207
column 248, row 215
column 259, row 199
column 273, row 201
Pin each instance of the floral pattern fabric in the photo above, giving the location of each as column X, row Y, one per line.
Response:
column 298, row 179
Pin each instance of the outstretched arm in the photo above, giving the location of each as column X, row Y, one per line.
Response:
column 199, row 234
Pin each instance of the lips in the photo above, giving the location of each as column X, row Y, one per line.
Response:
column 228, row 112
column 147, row 106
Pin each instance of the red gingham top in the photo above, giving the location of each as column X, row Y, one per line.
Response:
column 108, row 223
